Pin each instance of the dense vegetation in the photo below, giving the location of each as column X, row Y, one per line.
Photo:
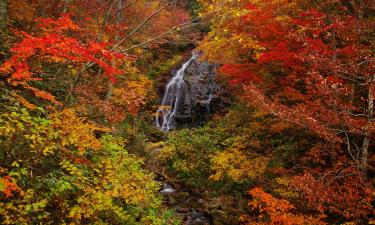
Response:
column 79, row 84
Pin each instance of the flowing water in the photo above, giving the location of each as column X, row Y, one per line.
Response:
column 189, row 206
column 190, row 94
column 172, row 98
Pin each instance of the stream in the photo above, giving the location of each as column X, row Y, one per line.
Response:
column 188, row 98
column 188, row 205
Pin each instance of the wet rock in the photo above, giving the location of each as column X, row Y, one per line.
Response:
column 203, row 90
column 191, row 96
column 182, row 209
column 195, row 217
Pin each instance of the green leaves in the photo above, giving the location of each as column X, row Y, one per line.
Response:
column 48, row 160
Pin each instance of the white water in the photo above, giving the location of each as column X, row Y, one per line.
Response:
column 172, row 98
column 208, row 103
column 167, row 189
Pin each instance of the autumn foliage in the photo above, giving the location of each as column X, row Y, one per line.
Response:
column 66, row 88
column 277, row 211
column 311, row 65
column 291, row 144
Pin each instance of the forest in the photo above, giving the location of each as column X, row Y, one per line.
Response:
column 187, row 112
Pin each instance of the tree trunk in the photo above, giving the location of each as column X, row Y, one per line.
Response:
column 366, row 139
column 3, row 14
column 110, row 84
column 66, row 3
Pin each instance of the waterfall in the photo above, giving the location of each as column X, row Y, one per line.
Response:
column 172, row 98
column 208, row 104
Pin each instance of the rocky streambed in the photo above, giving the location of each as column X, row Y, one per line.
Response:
column 188, row 99
column 195, row 209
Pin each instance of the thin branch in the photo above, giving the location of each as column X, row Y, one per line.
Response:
column 349, row 147
column 111, row 5
column 122, row 8
column 142, row 24
column 172, row 30
column 353, row 114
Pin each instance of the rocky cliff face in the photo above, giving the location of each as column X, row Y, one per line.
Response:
column 191, row 96
column 203, row 92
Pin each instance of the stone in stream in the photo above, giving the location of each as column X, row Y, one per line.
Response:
column 195, row 217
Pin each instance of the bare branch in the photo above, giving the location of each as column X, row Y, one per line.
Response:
column 142, row 24
column 122, row 8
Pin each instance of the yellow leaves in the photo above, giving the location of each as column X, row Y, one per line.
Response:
column 235, row 45
column 284, row 19
column 31, row 132
column 72, row 169
column 138, row 51
column 119, row 181
column 132, row 95
column 161, row 150
column 74, row 131
column 49, row 150
column 237, row 165
column 285, row 189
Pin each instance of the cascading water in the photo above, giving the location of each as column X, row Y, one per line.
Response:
column 172, row 98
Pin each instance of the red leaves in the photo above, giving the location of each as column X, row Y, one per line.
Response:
column 240, row 74
column 281, row 53
column 334, row 80
column 21, row 72
column 55, row 46
column 64, row 23
column 312, row 14
column 251, row 7
column 307, row 61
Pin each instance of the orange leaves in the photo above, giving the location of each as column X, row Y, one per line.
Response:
column 42, row 94
column 22, row 10
column 278, row 211
column 340, row 191
column 271, row 204
column 8, row 186
column 22, row 72
column 5, row 68
column 23, row 101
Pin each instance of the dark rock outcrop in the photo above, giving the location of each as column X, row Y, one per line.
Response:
column 191, row 96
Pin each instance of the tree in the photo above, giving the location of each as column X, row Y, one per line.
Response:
column 310, row 64
column 300, row 63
